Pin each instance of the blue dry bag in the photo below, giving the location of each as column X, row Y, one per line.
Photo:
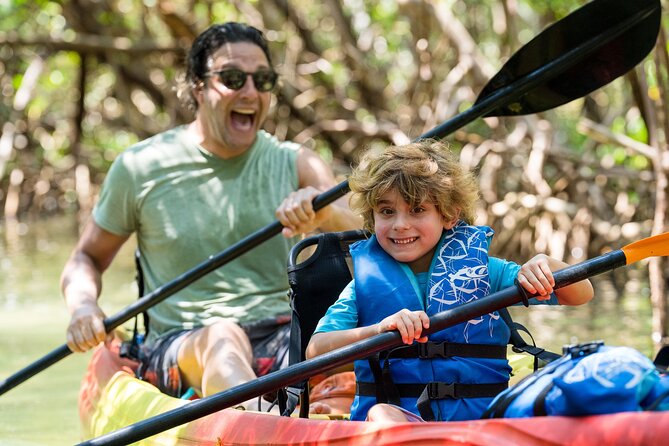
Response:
column 590, row 379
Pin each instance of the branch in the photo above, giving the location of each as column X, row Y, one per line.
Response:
column 604, row 135
column 21, row 99
column 90, row 43
column 387, row 131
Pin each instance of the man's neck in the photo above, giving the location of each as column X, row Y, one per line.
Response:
column 196, row 132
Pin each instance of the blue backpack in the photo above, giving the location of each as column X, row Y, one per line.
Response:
column 590, row 379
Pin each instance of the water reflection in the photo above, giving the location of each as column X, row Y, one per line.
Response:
column 617, row 317
column 33, row 318
column 33, row 254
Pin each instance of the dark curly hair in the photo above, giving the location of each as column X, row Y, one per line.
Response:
column 206, row 44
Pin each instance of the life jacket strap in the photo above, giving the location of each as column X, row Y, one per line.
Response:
column 440, row 391
column 429, row 350
column 388, row 392
column 437, row 390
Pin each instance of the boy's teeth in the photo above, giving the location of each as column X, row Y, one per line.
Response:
column 405, row 240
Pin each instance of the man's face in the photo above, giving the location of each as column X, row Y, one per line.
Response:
column 231, row 118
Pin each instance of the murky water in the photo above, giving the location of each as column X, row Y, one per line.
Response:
column 43, row 410
column 33, row 317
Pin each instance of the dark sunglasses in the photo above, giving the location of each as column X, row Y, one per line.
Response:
column 233, row 78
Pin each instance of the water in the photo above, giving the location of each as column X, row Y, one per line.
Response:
column 33, row 318
column 43, row 410
column 618, row 320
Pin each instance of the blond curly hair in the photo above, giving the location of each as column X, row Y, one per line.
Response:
column 425, row 170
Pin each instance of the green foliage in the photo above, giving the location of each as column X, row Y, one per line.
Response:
column 398, row 69
column 555, row 8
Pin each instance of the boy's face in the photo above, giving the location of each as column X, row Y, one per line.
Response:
column 408, row 235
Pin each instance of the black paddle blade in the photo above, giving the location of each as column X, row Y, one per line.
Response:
column 621, row 33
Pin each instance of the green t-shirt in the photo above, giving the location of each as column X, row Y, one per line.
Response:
column 187, row 205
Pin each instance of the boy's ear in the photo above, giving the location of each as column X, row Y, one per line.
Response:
column 448, row 224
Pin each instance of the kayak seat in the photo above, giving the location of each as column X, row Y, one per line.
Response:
column 319, row 267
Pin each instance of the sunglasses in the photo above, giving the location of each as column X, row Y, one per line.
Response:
column 234, row 79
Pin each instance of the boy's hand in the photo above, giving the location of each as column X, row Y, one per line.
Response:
column 410, row 325
column 536, row 277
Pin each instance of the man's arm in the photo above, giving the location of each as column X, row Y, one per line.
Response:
column 81, row 283
column 296, row 213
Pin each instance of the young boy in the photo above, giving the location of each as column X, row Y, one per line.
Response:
column 426, row 256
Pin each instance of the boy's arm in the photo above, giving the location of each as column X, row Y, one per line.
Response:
column 409, row 324
column 324, row 342
column 536, row 276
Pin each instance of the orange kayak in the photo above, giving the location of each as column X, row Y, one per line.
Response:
column 112, row 398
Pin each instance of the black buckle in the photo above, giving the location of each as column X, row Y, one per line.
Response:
column 425, row 350
column 430, row 350
column 580, row 350
column 439, row 390
column 529, row 349
column 129, row 350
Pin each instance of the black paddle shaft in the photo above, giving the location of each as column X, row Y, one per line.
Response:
column 508, row 91
column 342, row 356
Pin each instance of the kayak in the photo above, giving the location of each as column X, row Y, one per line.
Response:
column 112, row 398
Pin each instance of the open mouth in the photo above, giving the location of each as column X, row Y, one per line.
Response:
column 243, row 119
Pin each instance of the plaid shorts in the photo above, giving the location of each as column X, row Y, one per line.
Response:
column 269, row 342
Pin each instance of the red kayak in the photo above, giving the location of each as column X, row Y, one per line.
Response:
column 111, row 398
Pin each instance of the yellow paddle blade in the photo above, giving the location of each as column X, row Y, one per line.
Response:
column 657, row 245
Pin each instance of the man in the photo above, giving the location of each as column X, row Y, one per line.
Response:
column 189, row 193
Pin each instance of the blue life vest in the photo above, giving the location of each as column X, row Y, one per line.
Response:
column 590, row 379
column 463, row 367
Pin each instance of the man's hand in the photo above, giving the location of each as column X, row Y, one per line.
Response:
column 86, row 329
column 297, row 214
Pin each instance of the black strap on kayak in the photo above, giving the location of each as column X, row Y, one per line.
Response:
column 541, row 356
column 659, row 400
column 287, row 399
column 539, row 406
column 130, row 349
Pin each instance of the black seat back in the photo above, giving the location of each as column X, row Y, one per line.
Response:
column 315, row 283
